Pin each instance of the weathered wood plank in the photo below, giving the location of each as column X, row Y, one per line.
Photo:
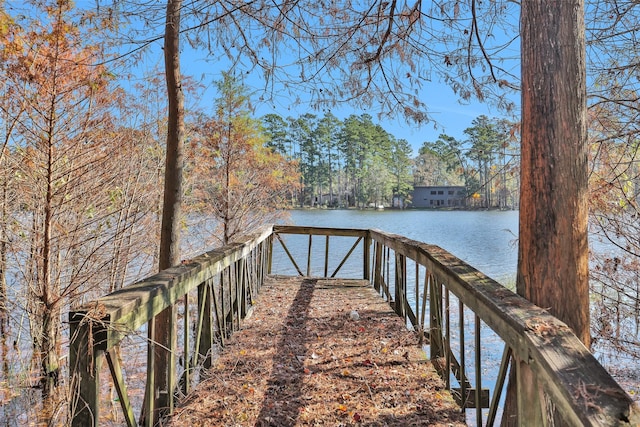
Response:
column 475, row 398
column 304, row 355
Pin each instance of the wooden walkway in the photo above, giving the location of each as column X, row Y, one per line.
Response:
column 320, row 352
column 303, row 359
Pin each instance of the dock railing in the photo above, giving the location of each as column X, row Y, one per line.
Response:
column 225, row 282
column 557, row 380
column 448, row 303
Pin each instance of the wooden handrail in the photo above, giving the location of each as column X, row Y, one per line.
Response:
column 97, row 327
column 579, row 387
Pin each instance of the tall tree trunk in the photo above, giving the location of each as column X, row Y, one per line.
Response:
column 165, row 333
column 47, row 309
column 553, row 247
column 3, row 257
column 226, row 209
column 553, row 251
column 171, row 210
column 330, row 204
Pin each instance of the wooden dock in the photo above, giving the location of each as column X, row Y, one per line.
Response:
column 320, row 352
column 323, row 351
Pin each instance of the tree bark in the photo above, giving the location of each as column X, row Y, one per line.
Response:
column 553, row 247
column 165, row 333
column 171, row 211
column 3, row 255
column 553, row 252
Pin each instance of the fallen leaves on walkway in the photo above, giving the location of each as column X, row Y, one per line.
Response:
column 320, row 353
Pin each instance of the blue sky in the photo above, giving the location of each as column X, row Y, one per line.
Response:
column 449, row 114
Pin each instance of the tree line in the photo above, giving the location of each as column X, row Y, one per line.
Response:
column 356, row 163
column 346, row 163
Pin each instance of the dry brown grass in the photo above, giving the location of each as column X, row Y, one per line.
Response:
column 303, row 359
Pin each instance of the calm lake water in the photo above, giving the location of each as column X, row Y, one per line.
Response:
column 485, row 239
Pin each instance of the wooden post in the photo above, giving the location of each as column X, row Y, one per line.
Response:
column 267, row 257
column 169, row 400
column 243, row 288
column 377, row 266
column 403, row 281
column 259, row 266
column 326, row 256
column 237, row 280
column 269, row 254
column 435, row 318
column 149, row 403
column 387, row 270
column 187, row 344
column 425, row 291
column 251, row 272
column 528, row 395
column 85, row 358
column 161, row 365
column 463, row 375
column 417, row 326
column 309, row 256
column 367, row 257
column 400, row 281
column 397, row 292
column 204, row 337
column 227, row 306
column 478, row 366
column 445, row 341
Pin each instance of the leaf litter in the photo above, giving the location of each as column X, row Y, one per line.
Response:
column 318, row 352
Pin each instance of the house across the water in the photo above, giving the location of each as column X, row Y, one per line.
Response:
column 439, row 196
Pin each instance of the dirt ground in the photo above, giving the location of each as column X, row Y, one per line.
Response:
column 320, row 353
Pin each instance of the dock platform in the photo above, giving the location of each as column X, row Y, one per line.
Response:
column 320, row 352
